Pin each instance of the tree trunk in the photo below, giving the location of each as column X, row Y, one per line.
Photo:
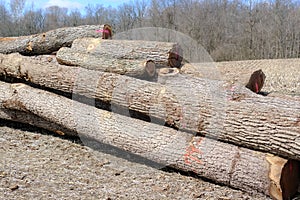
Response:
column 48, row 42
column 223, row 163
column 159, row 52
column 202, row 106
column 129, row 67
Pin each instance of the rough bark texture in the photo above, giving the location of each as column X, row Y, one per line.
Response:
column 224, row 163
column 159, row 52
column 234, row 115
column 48, row 42
column 129, row 67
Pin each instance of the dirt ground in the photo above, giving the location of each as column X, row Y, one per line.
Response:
column 37, row 165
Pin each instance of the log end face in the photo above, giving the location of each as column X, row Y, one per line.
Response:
column 150, row 68
column 168, row 72
column 175, row 57
column 290, row 179
column 256, row 81
column 284, row 177
column 107, row 32
column 276, row 165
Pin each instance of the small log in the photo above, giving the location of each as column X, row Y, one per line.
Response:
column 223, row 163
column 201, row 106
column 48, row 42
column 159, row 52
column 135, row 68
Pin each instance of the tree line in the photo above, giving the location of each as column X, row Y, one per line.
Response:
column 227, row 29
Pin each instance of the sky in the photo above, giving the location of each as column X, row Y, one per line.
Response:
column 73, row 4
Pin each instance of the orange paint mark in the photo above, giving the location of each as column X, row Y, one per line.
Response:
column 189, row 157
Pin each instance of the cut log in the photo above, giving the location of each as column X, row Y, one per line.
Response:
column 256, row 81
column 136, row 68
column 106, row 32
column 48, row 42
column 159, row 52
column 223, row 163
column 202, row 106
column 175, row 57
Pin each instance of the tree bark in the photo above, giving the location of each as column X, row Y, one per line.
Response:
column 129, row 67
column 223, row 163
column 48, row 42
column 200, row 106
column 159, row 52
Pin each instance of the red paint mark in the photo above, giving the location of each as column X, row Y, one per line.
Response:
column 189, row 157
column 256, row 87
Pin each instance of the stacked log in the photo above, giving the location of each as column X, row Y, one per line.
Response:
column 221, row 162
column 124, row 57
column 225, row 135
column 48, row 42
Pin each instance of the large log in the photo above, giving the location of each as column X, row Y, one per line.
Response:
column 223, row 163
column 159, row 52
column 234, row 115
column 48, row 42
column 129, row 67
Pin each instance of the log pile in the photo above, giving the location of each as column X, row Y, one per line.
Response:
column 231, row 136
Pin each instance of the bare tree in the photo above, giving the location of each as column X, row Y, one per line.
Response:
column 75, row 18
column 17, row 11
column 33, row 21
column 55, row 17
column 5, row 21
